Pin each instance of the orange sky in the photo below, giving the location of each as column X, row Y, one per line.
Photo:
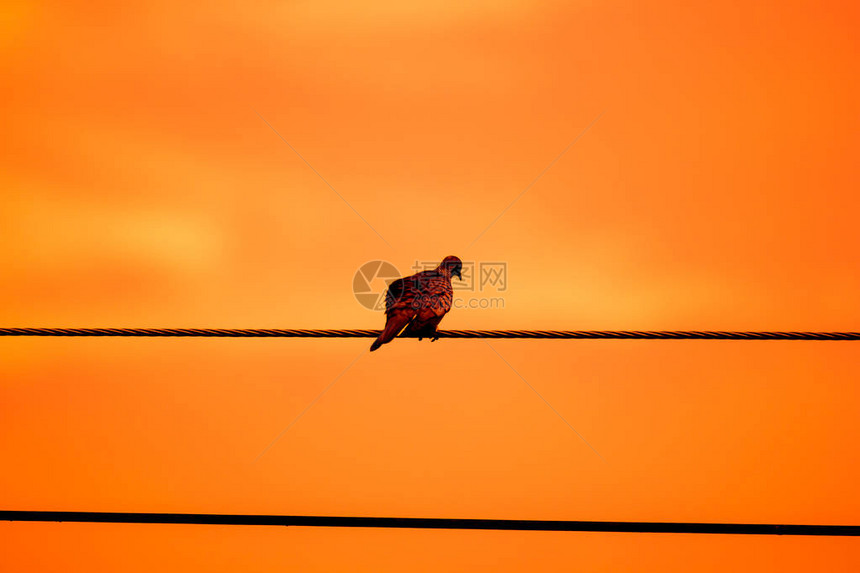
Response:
column 715, row 190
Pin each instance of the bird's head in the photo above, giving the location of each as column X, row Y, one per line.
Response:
column 452, row 266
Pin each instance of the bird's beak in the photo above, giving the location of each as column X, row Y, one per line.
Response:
column 457, row 274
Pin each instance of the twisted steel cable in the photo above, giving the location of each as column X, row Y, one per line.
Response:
column 434, row 523
column 352, row 333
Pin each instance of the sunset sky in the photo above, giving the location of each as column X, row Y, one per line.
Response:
column 151, row 177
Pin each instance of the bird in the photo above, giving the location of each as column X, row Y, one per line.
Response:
column 415, row 304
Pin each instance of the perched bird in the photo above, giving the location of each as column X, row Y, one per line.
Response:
column 417, row 303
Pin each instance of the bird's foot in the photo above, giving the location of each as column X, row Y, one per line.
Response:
column 434, row 339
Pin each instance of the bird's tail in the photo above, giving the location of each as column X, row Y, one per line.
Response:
column 392, row 328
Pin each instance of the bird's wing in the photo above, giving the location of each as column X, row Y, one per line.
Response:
column 422, row 292
column 417, row 302
column 441, row 295
column 433, row 296
column 399, row 295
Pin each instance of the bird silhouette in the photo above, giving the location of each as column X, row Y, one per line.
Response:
column 417, row 303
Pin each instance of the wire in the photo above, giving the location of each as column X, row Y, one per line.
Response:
column 341, row 333
column 344, row 333
column 432, row 523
